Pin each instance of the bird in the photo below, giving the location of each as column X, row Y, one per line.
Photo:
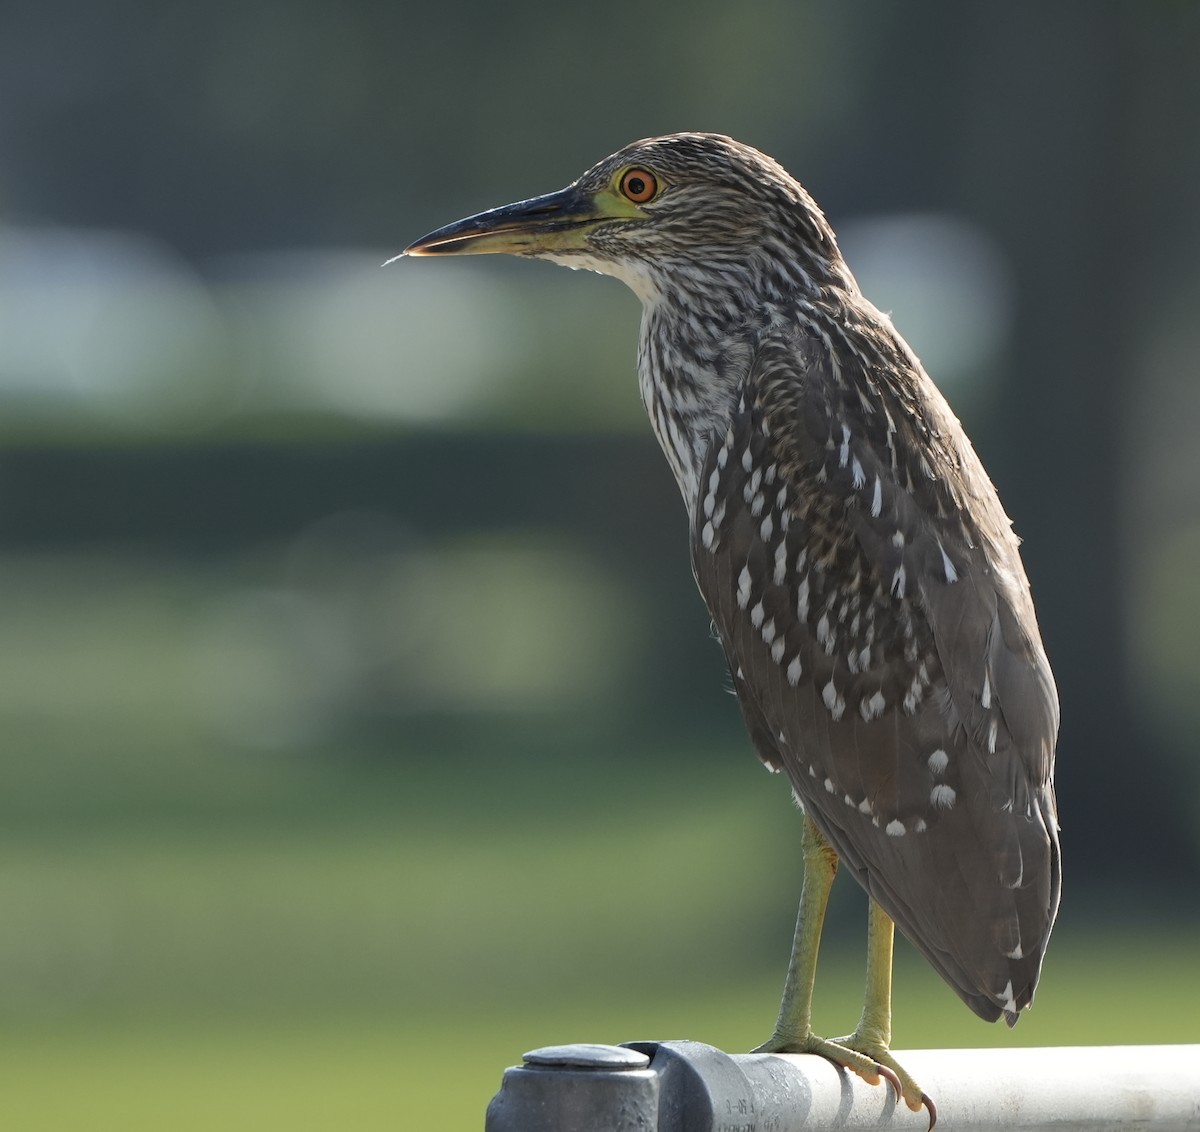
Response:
column 861, row 574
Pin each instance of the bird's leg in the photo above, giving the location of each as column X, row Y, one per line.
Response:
column 873, row 1034
column 793, row 1029
column 864, row 1052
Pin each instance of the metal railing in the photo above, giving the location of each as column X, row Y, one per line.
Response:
column 691, row 1087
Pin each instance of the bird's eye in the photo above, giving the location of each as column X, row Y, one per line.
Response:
column 639, row 185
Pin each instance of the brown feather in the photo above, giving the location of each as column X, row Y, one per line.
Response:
column 864, row 535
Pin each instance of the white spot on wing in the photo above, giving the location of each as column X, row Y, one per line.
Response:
column 802, row 599
column 756, row 615
column 872, row 708
column 856, row 470
column 938, row 761
column 877, row 499
column 985, row 697
column 767, row 528
column 794, row 670
column 829, row 785
column 991, row 739
column 894, row 829
column 707, row 535
column 833, row 701
column 1007, row 1000
column 777, row 649
column 942, row 796
column 948, row 566
column 743, row 593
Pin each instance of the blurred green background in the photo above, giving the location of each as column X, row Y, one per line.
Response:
column 361, row 726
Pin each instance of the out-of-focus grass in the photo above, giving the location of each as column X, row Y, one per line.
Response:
column 328, row 947
column 438, row 1070
column 362, row 932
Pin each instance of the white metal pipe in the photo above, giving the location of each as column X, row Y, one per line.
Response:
column 691, row 1087
column 989, row 1090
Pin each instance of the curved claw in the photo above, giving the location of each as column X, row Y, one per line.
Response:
column 892, row 1080
column 886, row 1065
column 872, row 1062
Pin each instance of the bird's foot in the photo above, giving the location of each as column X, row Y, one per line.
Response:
column 909, row 1091
column 869, row 1068
column 869, row 1059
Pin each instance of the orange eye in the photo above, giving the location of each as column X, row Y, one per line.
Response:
column 639, row 185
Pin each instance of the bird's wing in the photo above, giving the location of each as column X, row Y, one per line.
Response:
column 869, row 594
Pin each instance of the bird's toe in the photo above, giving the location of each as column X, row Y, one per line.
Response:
column 902, row 1081
column 860, row 1062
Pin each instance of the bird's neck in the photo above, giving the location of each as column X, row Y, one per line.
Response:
column 689, row 370
column 697, row 342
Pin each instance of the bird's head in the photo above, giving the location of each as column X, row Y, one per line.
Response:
column 691, row 209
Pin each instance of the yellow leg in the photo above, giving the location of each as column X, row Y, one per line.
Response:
column 873, row 1034
column 864, row 1052
column 795, row 1011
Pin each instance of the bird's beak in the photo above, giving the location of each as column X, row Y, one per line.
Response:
column 557, row 222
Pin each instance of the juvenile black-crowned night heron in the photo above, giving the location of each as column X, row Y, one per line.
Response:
column 860, row 570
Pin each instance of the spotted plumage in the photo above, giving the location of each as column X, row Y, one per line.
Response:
column 866, row 583
column 861, row 573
